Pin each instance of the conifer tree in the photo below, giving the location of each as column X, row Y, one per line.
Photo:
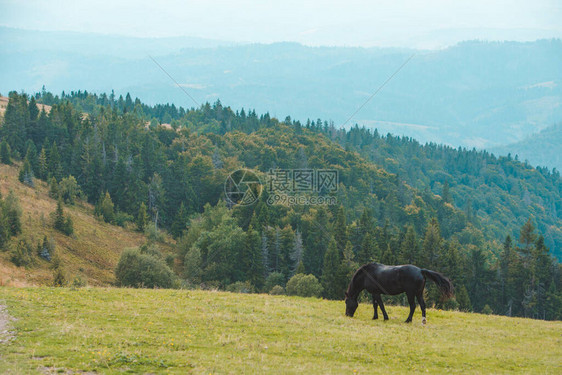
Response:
column 42, row 164
column 180, row 222
column 340, row 230
column 26, row 173
column 142, row 218
column 330, row 272
column 59, row 219
column 5, row 153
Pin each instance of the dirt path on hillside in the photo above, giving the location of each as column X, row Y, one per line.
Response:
column 5, row 333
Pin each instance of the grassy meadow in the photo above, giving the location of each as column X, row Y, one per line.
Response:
column 107, row 330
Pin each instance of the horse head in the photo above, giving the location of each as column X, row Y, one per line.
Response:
column 351, row 305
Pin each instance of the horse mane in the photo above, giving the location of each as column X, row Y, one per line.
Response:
column 359, row 270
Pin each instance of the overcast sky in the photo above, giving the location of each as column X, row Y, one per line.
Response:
column 402, row 23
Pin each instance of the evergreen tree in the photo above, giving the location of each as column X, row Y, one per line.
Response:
column 432, row 243
column 252, row 258
column 296, row 254
column 12, row 213
column 180, row 222
column 446, row 195
column 142, row 217
column 53, row 188
column 461, row 295
column 330, row 273
column 59, row 219
column 42, row 164
column 340, row 230
column 527, row 237
column 105, row 208
column 5, row 153
column 300, row 268
column 369, row 250
column 54, row 166
column 409, row 247
column 26, row 173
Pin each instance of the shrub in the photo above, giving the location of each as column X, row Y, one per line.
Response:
column 241, row 287
column 140, row 270
column 46, row 249
column 69, row 190
column 78, row 283
column 22, row 254
column 274, row 278
column 153, row 234
column 122, row 218
column 59, row 279
column 304, row 286
column 192, row 265
column 277, row 290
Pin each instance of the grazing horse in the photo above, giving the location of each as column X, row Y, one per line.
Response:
column 380, row 279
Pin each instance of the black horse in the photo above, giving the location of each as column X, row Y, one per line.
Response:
column 380, row 279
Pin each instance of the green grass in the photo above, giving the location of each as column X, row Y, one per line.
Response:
column 175, row 331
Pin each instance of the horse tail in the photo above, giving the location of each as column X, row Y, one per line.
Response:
column 443, row 283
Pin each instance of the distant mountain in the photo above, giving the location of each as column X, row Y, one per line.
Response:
column 474, row 94
column 540, row 149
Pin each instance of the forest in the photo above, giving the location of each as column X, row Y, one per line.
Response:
column 489, row 223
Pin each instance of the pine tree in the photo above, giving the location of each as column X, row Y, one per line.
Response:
column 180, row 222
column 106, row 208
column 446, row 195
column 252, row 259
column 265, row 255
column 5, row 153
column 142, row 218
column 59, row 219
column 527, row 237
column 300, row 268
column 461, row 295
column 432, row 243
column 54, row 166
column 26, row 173
column 340, row 230
column 409, row 247
column 12, row 213
column 369, row 250
column 330, row 272
column 297, row 253
column 42, row 164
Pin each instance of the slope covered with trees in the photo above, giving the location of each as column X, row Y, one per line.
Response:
column 136, row 171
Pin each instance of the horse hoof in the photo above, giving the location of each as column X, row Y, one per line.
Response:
column 386, row 318
column 375, row 317
column 408, row 321
column 424, row 321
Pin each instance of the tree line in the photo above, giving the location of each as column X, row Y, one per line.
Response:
column 139, row 174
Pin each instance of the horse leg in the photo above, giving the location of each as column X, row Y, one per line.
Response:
column 412, row 302
column 379, row 300
column 422, row 306
column 375, row 305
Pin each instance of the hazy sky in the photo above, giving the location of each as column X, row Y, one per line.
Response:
column 409, row 23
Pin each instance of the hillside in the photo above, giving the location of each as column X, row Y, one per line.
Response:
column 162, row 331
column 540, row 149
column 91, row 253
column 396, row 201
